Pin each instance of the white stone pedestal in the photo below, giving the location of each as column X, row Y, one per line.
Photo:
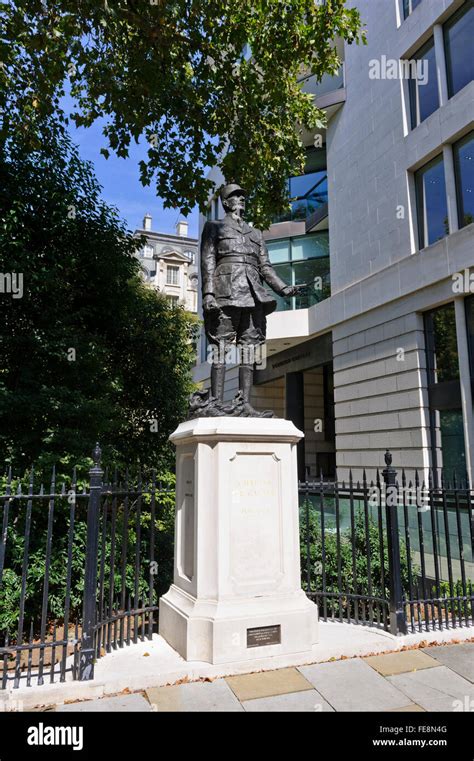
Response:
column 237, row 592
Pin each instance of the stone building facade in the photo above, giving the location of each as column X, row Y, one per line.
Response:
column 169, row 263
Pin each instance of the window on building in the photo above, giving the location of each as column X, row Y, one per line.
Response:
column 302, row 259
column 173, row 299
column 444, row 392
column 172, row 274
column 409, row 6
column 452, row 443
column 469, row 305
column 442, row 344
column 431, row 202
column 424, row 96
column 279, row 250
column 464, row 172
column 308, row 191
column 458, row 40
column 148, row 251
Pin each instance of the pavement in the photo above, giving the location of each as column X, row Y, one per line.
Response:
column 151, row 664
column 439, row 678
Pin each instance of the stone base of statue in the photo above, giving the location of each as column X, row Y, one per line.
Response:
column 237, row 591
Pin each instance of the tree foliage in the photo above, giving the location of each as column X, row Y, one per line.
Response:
column 89, row 351
column 178, row 73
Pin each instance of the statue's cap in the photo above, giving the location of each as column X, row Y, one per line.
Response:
column 230, row 190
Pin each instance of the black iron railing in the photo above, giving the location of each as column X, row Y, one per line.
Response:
column 78, row 573
column 390, row 553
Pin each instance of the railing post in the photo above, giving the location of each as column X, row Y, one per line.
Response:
column 398, row 624
column 87, row 654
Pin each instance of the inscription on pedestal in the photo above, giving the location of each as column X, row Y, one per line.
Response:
column 264, row 635
column 256, row 542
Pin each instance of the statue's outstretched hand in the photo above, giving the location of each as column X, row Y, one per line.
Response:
column 209, row 303
column 294, row 290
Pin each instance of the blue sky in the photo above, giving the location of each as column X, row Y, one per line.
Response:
column 121, row 183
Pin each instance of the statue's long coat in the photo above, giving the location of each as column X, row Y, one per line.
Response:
column 234, row 264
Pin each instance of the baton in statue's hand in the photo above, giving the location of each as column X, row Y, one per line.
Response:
column 296, row 290
column 302, row 288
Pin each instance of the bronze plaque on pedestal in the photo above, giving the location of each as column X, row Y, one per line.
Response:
column 264, row 635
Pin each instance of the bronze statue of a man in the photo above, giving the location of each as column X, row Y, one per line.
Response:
column 234, row 265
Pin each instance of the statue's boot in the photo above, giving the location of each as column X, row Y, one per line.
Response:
column 217, row 390
column 217, row 381
column 245, row 385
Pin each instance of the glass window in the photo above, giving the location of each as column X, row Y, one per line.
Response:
column 304, row 259
column 285, row 272
column 310, row 246
column 409, row 6
column 458, row 41
column 307, row 191
column 452, row 442
column 431, row 202
column 446, row 423
column 279, row 250
column 315, row 273
column 148, row 251
column 469, row 307
column 464, row 169
column 318, row 195
column 172, row 275
column 424, row 96
column 441, row 345
column 300, row 186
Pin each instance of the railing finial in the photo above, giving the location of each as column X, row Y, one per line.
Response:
column 97, row 454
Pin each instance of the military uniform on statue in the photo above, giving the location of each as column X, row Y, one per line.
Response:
column 234, row 267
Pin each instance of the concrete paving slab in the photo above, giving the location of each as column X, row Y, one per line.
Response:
column 164, row 699
column 352, row 685
column 437, row 689
column 399, row 663
column 197, row 696
column 127, row 703
column 308, row 701
column 459, row 658
column 268, row 683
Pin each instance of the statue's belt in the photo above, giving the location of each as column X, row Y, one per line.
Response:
column 237, row 259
